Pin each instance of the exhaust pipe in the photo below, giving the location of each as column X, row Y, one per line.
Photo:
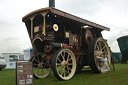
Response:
column 51, row 3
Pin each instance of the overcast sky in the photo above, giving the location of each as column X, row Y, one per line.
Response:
column 109, row 13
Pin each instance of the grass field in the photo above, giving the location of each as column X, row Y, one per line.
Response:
column 85, row 77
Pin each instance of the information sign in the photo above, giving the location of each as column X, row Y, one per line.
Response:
column 24, row 73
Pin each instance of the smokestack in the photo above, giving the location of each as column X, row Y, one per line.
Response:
column 51, row 3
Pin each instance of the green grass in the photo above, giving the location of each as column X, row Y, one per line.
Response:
column 85, row 77
column 7, row 77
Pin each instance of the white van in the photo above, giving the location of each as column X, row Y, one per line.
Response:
column 2, row 62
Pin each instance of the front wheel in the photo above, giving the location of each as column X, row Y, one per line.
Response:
column 64, row 64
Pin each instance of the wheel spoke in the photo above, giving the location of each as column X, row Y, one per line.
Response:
column 97, row 47
column 69, row 68
column 36, row 60
column 104, row 53
column 45, row 59
column 34, row 68
column 103, row 48
column 47, row 69
column 70, row 64
column 59, row 68
column 63, row 71
column 37, row 70
column 59, row 60
column 35, row 64
column 100, row 44
column 68, row 57
column 62, row 56
column 42, row 71
column 58, row 64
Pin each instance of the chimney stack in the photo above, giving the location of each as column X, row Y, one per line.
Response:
column 51, row 3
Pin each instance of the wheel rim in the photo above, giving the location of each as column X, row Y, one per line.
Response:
column 102, row 53
column 65, row 64
column 41, row 66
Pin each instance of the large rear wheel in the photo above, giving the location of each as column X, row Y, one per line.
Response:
column 64, row 64
column 40, row 66
column 99, row 54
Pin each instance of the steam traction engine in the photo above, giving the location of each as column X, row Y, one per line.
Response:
column 64, row 43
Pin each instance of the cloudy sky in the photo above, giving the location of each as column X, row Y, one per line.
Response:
column 109, row 13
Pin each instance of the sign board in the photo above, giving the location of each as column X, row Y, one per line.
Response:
column 24, row 73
